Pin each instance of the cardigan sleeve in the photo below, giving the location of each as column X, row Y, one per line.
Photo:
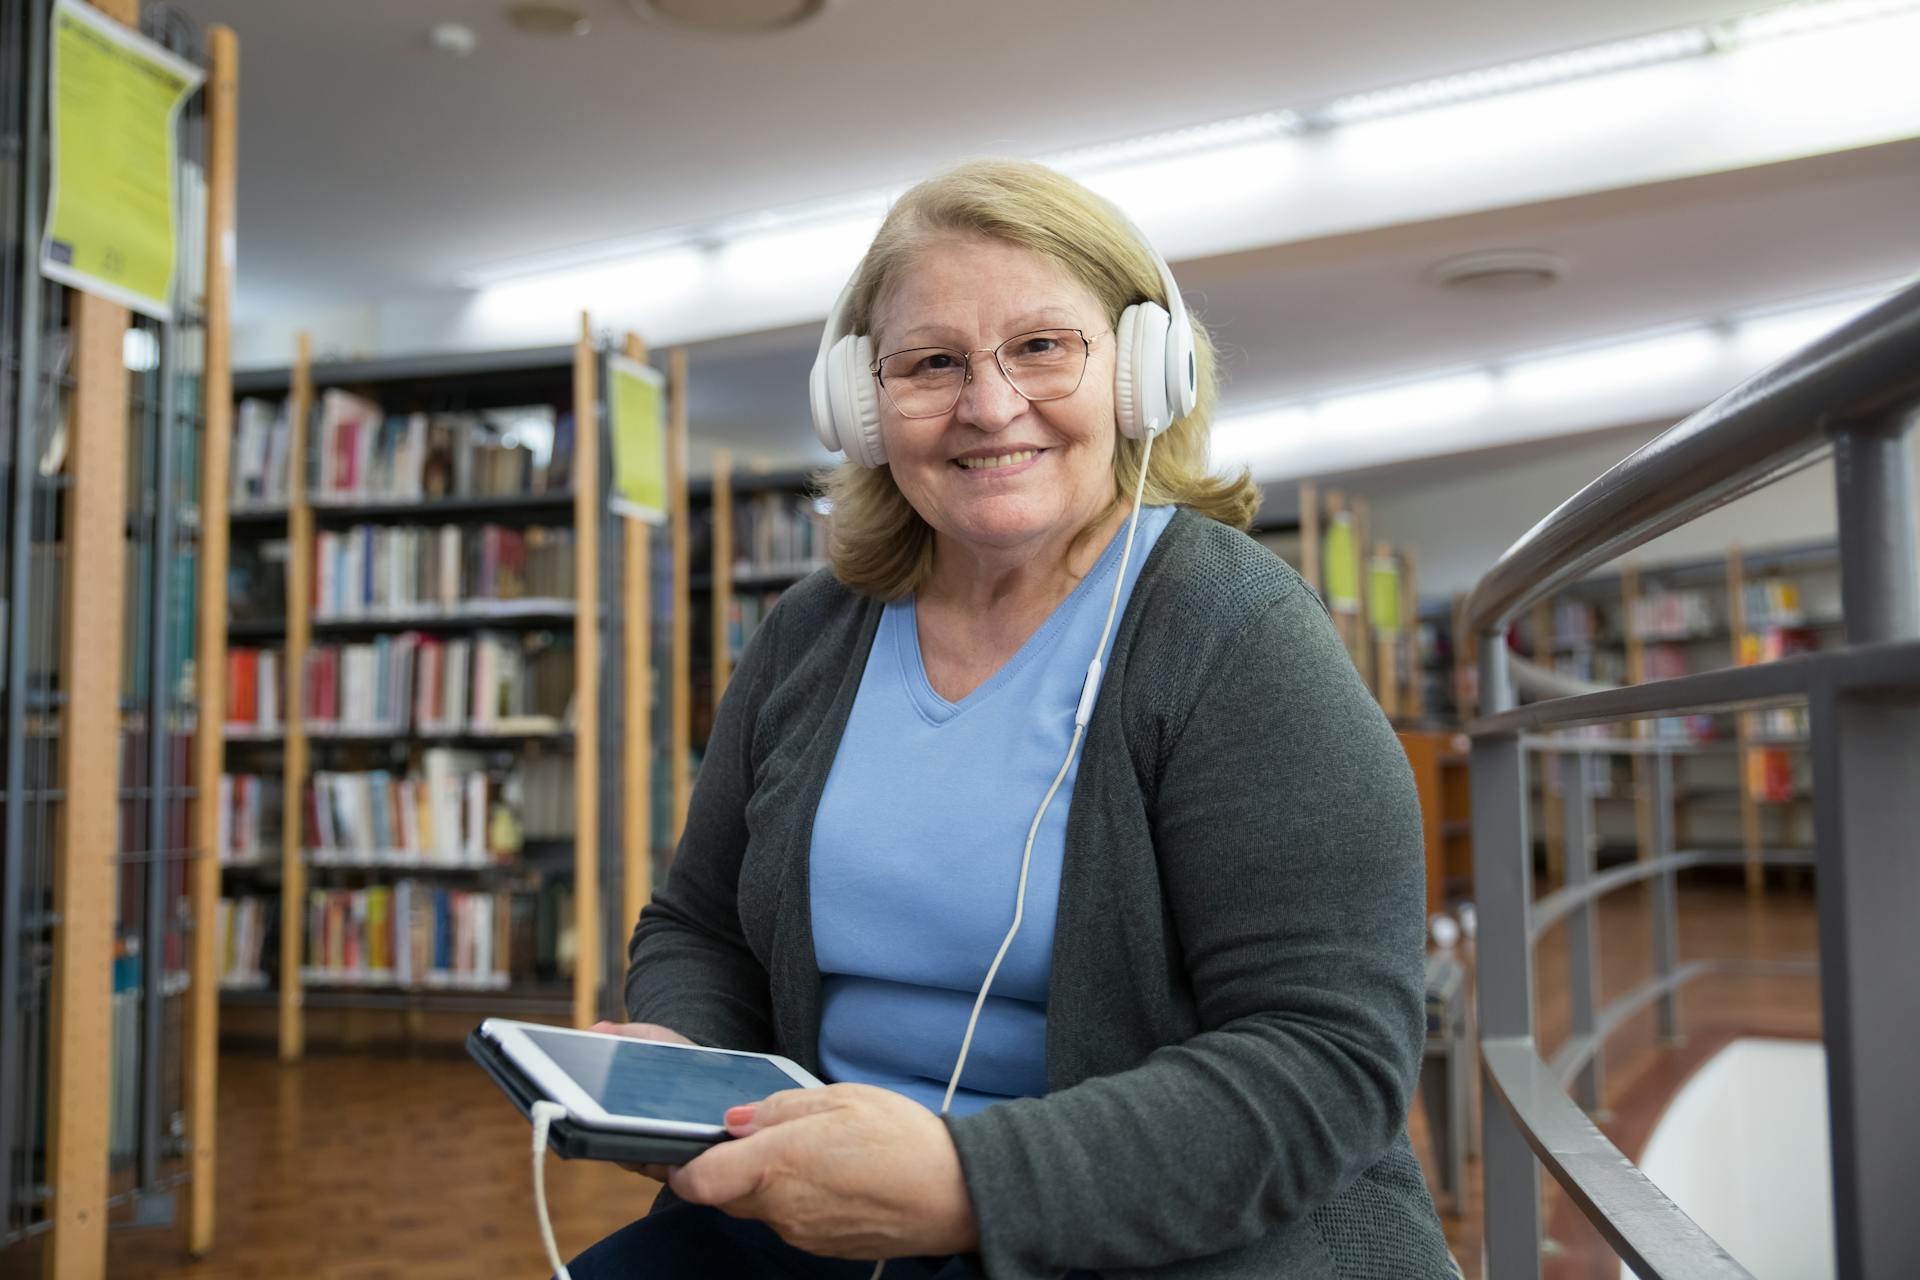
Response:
column 688, row 964
column 1287, row 831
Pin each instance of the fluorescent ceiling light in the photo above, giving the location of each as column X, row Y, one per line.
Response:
column 1605, row 370
column 1251, row 150
column 1219, row 135
column 1531, row 73
column 1795, row 19
column 1426, row 401
column 1449, row 410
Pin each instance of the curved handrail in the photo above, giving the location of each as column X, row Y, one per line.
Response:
column 1551, row 908
column 1579, row 1050
column 1649, row 1232
column 1755, row 434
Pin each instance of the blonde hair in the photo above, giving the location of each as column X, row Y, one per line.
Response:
column 879, row 544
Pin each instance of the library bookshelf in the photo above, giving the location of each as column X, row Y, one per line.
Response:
column 1742, row 781
column 439, row 703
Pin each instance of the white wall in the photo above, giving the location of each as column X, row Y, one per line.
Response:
column 1742, row 1149
column 1461, row 514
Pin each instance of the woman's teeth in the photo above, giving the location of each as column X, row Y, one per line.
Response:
column 1002, row 460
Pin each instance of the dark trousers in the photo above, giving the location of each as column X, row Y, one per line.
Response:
column 694, row 1242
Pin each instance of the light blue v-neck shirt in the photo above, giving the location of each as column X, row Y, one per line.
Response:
column 916, row 854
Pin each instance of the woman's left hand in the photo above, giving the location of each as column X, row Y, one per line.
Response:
column 845, row 1171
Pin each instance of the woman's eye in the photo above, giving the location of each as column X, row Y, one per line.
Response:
column 937, row 362
column 1039, row 345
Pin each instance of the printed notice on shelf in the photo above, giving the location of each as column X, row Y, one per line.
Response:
column 113, row 101
column 636, row 411
column 1383, row 594
column 1342, row 565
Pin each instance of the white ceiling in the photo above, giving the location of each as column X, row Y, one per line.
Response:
column 370, row 164
column 373, row 168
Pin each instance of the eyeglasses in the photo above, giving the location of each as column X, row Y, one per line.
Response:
column 925, row 382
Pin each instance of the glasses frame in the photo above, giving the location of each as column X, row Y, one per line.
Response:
column 966, row 364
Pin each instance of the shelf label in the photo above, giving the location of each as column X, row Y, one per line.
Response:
column 636, row 413
column 113, row 104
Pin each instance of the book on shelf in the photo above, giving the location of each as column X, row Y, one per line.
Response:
column 1770, row 644
column 744, row 616
column 261, row 438
column 409, row 935
column 397, row 570
column 489, row 683
column 1672, row 614
column 244, row 926
column 364, row 454
column 451, row 811
column 249, row 820
column 1773, row 602
column 257, row 580
column 1576, row 623
column 254, row 691
column 778, row 534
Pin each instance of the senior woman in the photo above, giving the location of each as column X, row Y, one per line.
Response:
column 1197, row 1055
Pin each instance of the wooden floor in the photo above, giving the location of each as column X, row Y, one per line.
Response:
column 378, row 1167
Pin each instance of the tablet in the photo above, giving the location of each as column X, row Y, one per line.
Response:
column 641, row 1086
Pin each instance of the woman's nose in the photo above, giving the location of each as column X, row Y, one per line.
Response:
column 988, row 401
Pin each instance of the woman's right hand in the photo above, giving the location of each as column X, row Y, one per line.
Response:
column 643, row 1031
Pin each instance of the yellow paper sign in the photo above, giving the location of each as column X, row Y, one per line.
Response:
column 1383, row 594
column 112, row 214
column 636, row 404
column 1343, row 565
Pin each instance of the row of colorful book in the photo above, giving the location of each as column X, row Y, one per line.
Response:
column 364, row 454
column 777, row 533
column 244, row 925
column 250, row 817
column 452, row 811
column 407, row 935
column 396, row 570
column 489, row 683
column 255, row 692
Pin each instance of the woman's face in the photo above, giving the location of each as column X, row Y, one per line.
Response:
column 999, row 473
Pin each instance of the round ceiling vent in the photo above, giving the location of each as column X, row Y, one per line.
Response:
column 1500, row 271
column 729, row 17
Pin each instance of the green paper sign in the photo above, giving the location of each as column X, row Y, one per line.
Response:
column 112, row 201
column 636, row 404
column 1343, row 565
column 1383, row 594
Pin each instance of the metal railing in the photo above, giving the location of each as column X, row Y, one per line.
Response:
column 1856, row 393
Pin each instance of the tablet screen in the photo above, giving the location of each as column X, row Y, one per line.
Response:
column 639, row 1078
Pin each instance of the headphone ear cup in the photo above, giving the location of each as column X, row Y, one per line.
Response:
column 1140, row 370
column 853, row 402
column 1126, row 387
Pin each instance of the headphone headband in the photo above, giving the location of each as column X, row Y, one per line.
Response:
column 1156, row 374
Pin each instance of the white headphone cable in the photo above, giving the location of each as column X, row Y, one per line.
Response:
column 1081, row 715
column 544, row 1114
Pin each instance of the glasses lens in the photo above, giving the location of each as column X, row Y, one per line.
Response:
column 925, row 382
column 1046, row 364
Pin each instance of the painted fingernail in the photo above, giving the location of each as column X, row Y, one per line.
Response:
column 740, row 1117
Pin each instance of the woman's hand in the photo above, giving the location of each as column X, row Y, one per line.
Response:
column 643, row 1031
column 845, row 1171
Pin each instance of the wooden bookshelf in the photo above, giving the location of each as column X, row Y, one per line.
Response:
column 569, row 379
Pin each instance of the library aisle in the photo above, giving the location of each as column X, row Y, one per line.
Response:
column 471, row 474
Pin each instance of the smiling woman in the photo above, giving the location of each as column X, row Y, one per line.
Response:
column 1216, row 911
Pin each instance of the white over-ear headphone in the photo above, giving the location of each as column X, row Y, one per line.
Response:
column 1155, row 378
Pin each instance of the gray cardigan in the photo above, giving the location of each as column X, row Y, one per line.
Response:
column 1234, row 1018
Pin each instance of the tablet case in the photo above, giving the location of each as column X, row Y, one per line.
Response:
column 571, row 1140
